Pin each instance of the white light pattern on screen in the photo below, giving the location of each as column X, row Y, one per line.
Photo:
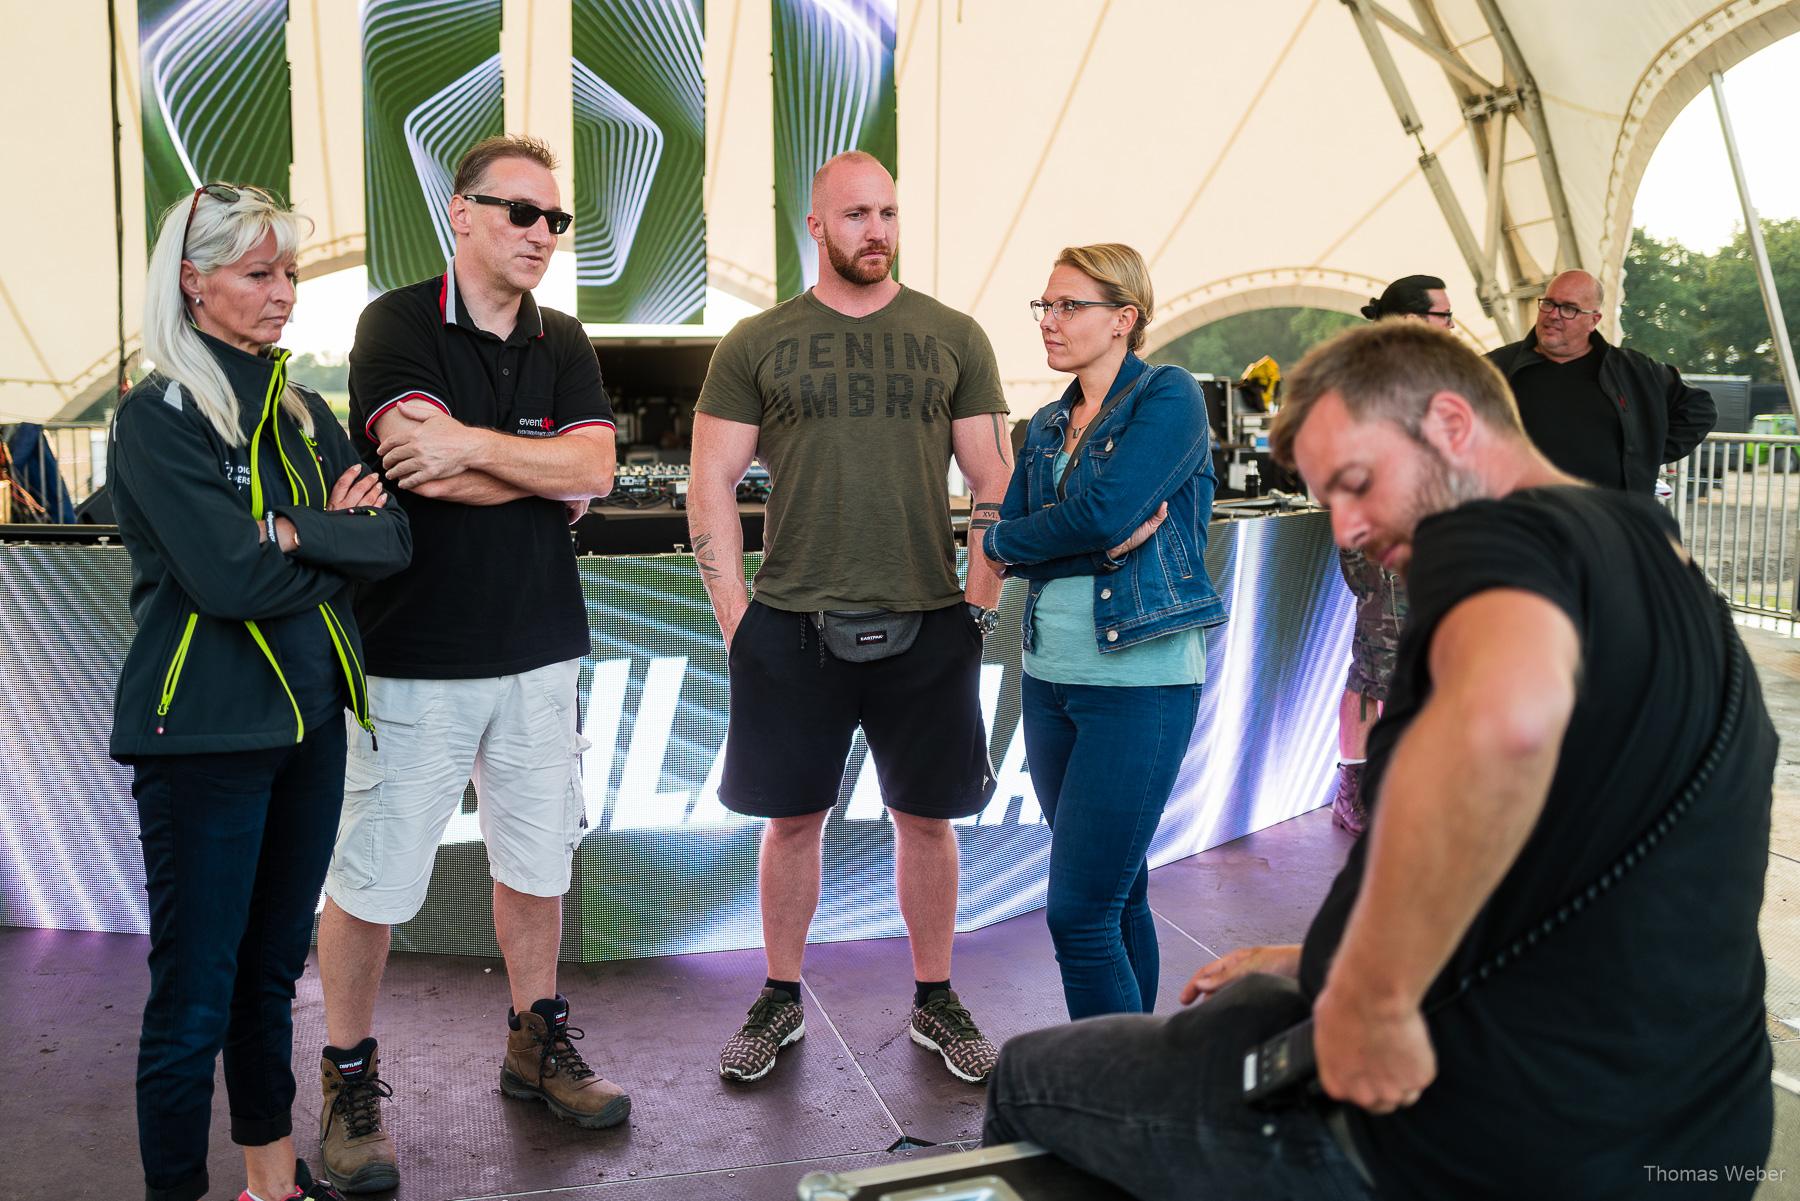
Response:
column 199, row 86
column 654, row 717
column 843, row 46
column 440, row 129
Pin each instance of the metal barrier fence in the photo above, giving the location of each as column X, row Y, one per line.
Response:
column 39, row 493
column 1737, row 500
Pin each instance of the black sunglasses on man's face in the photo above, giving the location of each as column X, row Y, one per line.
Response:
column 526, row 215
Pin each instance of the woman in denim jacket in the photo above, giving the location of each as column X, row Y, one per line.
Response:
column 1106, row 516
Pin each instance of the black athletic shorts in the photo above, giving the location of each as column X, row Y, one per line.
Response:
column 795, row 709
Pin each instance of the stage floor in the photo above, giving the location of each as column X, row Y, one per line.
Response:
column 839, row 1099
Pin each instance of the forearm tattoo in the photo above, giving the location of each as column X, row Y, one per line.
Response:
column 706, row 557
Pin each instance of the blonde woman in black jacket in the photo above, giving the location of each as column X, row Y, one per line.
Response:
column 248, row 520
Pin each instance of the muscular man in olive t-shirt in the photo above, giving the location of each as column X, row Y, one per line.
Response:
column 855, row 394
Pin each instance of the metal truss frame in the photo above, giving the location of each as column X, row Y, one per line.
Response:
column 1508, row 276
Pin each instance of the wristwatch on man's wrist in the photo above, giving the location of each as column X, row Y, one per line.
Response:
column 985, row 619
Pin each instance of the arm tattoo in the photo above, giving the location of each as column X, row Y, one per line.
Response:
column 1000, row 441
column 706, row 557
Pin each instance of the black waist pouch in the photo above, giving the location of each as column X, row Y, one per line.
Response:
column 864, row 635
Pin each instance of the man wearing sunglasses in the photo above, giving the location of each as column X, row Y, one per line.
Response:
column 1600, row 412
column 486, row 414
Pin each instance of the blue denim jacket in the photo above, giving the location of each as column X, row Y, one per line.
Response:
column 1149, row 443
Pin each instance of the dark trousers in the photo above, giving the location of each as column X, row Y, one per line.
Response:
column 1155, row 1105
column 1103, row 763
column 235, row 851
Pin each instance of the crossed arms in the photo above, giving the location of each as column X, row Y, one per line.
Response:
column 426, row 451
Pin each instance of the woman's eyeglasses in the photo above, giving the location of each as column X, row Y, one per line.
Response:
column 1065, row 309
column 526, row 215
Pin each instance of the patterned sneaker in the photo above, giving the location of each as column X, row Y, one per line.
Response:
column 941, row 1024
column 776, row 1020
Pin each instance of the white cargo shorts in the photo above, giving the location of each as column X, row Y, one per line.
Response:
column 515, row 736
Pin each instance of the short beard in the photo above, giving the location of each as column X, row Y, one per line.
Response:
column 849, row 266
column 1443, row 487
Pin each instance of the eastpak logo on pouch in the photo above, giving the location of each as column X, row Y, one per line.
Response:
column 870, row 637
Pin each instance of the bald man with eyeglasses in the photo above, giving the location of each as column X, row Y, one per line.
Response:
column 1600, row 412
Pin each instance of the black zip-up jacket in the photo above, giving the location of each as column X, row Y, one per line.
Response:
column 203, row 673
column 1661, row 418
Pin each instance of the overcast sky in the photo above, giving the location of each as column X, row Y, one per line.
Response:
column 1688, row 194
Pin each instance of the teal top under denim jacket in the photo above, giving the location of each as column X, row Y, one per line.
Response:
column 1149, row 443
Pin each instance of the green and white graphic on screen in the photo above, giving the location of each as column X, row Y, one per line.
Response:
column 834, row 91
column 431, row 89
column 214, row 93
column 640, row 147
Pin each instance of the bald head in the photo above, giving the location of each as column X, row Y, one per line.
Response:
column 849, row 169
column 855, row 220
column 1562, row 337
column 1579, row 287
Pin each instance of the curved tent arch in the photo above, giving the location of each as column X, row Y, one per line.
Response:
column 1253, row 146
column 1717, row 41
column 1288, row 287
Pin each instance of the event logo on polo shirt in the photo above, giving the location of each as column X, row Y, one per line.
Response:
column 859, row 374
column 535, row 427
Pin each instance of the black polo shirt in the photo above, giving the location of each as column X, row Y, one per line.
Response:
column 492, row 589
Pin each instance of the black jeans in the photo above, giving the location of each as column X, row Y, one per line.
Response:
column 235, row 851
column 1155, row 1105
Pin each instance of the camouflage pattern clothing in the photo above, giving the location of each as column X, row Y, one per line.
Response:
column 1380, row 612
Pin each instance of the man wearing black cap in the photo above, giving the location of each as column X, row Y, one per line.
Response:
column 1380, row 594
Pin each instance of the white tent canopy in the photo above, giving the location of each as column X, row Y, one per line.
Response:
column 1253, row 152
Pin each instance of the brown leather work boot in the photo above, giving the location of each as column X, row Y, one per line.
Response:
column 1348, row 811
column 357, row 1153
column 541, row 1061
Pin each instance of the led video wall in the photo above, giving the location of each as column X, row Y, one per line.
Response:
column 214, row 97
column 639, row 161
column 431, row 89
column 834, row 91
column 664, row 869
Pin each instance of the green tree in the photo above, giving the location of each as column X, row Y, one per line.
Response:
column 1663, row 312
column 1740, row 339
column 1704, row 313
column 1230, row 344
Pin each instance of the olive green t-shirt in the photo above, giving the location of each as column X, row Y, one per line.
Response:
column 854, row 416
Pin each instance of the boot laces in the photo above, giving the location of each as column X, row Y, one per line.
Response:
column 359, row 1103
column 560, row 1056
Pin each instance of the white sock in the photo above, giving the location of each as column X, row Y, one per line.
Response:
column 1351, row 762
column 249, row 1196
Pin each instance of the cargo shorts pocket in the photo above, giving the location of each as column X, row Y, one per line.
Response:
column 356, row 857
column 577, row 822
column 558, row 684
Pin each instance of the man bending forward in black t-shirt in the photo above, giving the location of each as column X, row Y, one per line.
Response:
column 1561, row 677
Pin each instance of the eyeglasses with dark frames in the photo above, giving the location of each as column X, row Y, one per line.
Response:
column 1565, row 310
column 1065, row 309
column 1443, row 315
column 526, row 215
